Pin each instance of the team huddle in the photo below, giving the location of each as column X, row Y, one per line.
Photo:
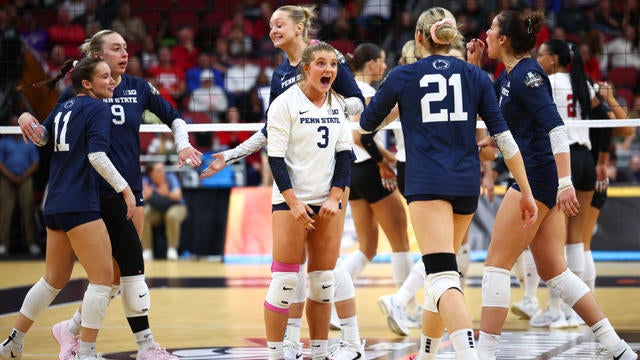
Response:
column 318, row 165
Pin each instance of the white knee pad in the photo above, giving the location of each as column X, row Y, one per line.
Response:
column 301, row 290
column 436, row 284
column 570, row 287
column 136, row 299
column 38, row 298
column 496, row 287
column 281, row 291
column 321, row 286
column 344, row 284
column 94, row 305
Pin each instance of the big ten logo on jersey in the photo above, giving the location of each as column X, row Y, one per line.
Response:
column 333, row 111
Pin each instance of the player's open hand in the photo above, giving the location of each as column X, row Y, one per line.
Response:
column 216, row 165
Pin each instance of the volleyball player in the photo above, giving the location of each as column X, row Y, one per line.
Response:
column 373, row 197
column 132, row 96
column 309, row 148
column 527, row 104
column 439, row 98
column 290, row 28
column 79, row 140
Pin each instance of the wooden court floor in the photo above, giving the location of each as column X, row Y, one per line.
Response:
column 210, row 310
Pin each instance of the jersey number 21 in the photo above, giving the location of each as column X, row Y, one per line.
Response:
column 458, row 114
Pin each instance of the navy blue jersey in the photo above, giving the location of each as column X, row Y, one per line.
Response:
column 526, row 102
column 439, row 98
column 130, row 99
column 286, row 75
column 77, row 127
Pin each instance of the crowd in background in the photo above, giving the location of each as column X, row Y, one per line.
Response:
column 213, row 59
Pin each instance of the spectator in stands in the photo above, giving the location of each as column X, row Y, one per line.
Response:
column 606, row 19
column 168, row 77
column 163, row 204
column 241, row 77
column 33, row 35
column 591, row 63
column 209, row 97
column 239, row 42
column 18, row 162
column 185, row 54
column 229, row 139
column 148, row 54
column 192, row 75
column 622, row 51
column 90, row 15
column 401, row 31
column 373, row 17
column 630, row 13
column 69, row 35
column 134, row 67
column 75, row 8
column 10, row 49
column 220, row 58
column 237, row 20
column 132, row 28
column 162, row 144
column 476, row 19
column 574, row 19
column 55, row 62
column 164, row 31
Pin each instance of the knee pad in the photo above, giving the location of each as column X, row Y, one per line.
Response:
column 38, row 298
column 136, row 299
column 321, row 286
column 94, row 305
column 496, row 287
column 301, row 290
column 442, row 274
column 281, row 291
column 570, row 287
column 436, row 284
column 344, row 284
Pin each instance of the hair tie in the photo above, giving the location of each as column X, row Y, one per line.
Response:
column 434, row 28
column 529, row 30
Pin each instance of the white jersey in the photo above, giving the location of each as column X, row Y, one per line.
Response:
column 380, row 138
column 401, row 155
column 308, row 138
column 563, row 97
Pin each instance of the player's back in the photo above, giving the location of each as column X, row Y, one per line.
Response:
column 78, row 127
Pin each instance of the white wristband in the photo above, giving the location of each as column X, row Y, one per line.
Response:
column 564, row 183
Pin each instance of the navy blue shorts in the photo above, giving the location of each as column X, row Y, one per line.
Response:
column 366, row 182
column 583, row 168
column 544, row 183
column 462, row 205
column 400, row 175
column 67, row 221
column 284, row 206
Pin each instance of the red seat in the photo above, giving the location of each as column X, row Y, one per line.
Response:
column 184, row 18
column 145, row 140
column 623, row 77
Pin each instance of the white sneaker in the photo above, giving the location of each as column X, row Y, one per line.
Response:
column 347, row 351
column 414, row 315
column 625, row 353
column 3, row 250
column 526, row 308
column 66, row 340
column 292, row 350
column 172, row 254
column 396, row 318
column 155, row 352
column 94, row 356
column 572, row 317
column 547, row 317
column 334, row 322
column 34, row 250
column 147, row 254
column 10, row 351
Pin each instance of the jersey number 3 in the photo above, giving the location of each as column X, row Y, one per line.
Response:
column 454, row 81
